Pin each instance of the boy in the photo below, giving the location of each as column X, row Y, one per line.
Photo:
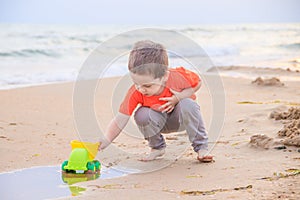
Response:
column 166, row 102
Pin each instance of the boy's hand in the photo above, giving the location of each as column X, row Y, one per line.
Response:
column 103, row 144
column 171, row 102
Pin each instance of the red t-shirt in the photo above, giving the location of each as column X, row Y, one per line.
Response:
column 178, row 80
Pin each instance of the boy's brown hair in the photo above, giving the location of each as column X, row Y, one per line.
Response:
column 148, row 58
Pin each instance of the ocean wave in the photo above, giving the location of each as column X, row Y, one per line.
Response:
column 30, row 53
column 222, row 51
column 32, row 48
column 291, row 46
column 195, row 29
column 16, row 80
column 242, row 28
column 48, row 76
column 85, row 39
column 213, row 51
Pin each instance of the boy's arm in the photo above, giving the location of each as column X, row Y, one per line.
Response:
column 186, row 93
column 177, row 96
column 114, row 129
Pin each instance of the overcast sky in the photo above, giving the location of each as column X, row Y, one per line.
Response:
column 149, row 11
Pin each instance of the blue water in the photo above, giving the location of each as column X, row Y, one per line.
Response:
column 38, row 54
column 47, row 182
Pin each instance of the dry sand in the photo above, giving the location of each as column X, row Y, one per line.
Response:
column 37, row 124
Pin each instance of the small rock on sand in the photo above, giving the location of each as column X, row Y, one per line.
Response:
column 268, row 82
column 261, row 141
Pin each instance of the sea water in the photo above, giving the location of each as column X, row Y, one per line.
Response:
column 42, row 54
column 47, row 182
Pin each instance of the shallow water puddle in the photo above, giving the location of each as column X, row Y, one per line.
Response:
column 47, row 182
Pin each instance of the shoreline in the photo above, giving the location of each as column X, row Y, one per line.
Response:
column 234, row 71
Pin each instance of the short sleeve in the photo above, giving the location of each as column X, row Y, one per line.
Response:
column 181, row 78
column 130, row 102
column 190, row 76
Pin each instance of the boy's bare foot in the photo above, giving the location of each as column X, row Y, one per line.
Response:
column 154, row 153
column 204, row 156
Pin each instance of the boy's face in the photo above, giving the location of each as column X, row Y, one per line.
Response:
column 147, row 85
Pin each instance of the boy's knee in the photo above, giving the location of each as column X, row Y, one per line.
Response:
column 145, row 116
column 188, row 105
column 141, row 116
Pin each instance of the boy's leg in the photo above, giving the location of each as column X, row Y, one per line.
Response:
column 173, row 121
column 150, row 123
column 187, row 116
column 191, row 119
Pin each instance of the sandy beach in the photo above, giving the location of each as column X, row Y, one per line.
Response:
column 37, row 125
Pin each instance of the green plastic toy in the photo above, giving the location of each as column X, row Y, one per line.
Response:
column 81, row 159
